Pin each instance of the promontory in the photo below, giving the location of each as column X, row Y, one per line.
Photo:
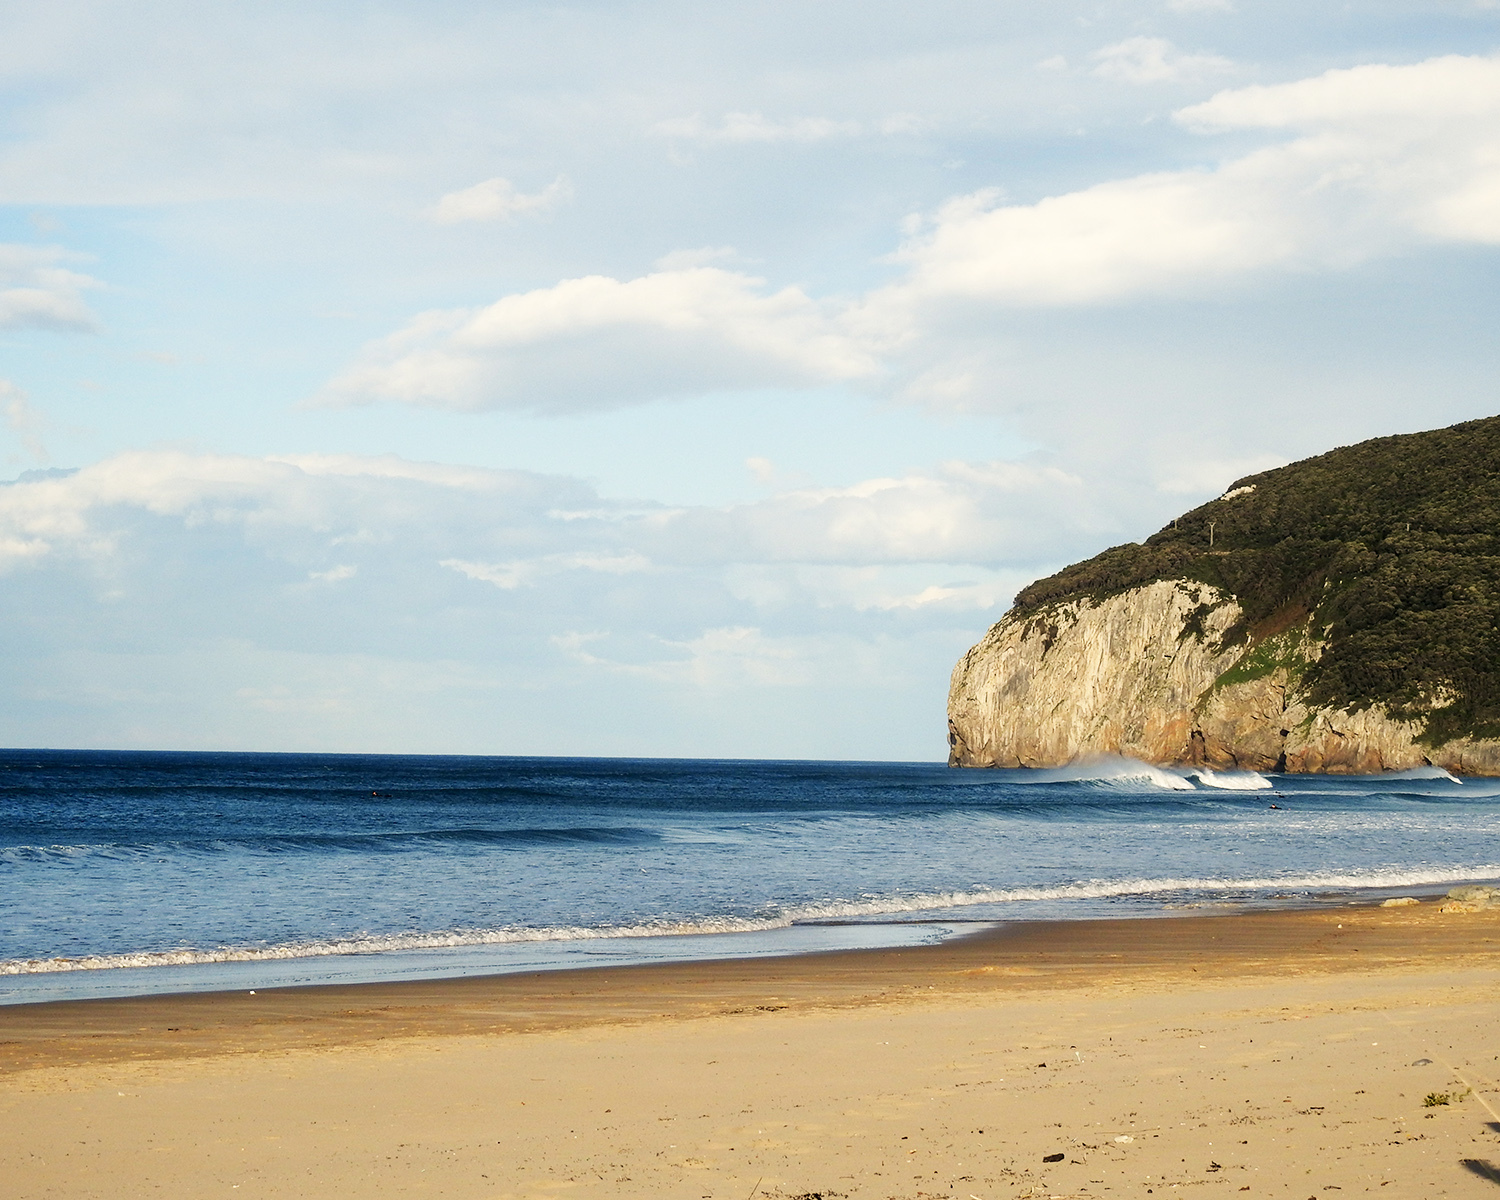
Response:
column 1338, row 615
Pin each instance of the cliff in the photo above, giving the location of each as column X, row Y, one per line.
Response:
column 1341, row 615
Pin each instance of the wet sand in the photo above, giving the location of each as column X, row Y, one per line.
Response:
column 1269, row 1054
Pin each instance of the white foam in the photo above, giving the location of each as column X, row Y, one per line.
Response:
column 375, row 944
column 873, row 906
column 1112, row 770
column 1428, row 772
column 1232, row 781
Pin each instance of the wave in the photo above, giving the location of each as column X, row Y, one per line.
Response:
column 1428, row 772
column 1110, row 771
column 1232, row 781
column 806, row 913
column 1115, row 772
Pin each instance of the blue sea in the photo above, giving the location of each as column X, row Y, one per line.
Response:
column 126, row 873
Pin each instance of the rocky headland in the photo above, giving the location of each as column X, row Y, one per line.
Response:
column 1338, row 615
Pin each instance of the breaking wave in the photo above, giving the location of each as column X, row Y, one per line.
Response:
column 1119, row 772
column 1232, row 781
column 1428, row 772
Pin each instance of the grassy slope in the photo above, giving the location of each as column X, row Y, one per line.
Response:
column 1392, row 546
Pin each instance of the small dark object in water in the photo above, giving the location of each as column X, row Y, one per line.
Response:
column 1275, row 806
column 1213, row 1166
column 1052, row 1158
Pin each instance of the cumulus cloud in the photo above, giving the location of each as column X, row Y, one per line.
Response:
column 597, row 342
column 498, row 200
column 1361, row 163
column 37, row 293
column 1155, row 60
column 754, row 127
column 1381, row 159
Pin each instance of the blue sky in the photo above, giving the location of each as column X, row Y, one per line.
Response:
column 653, row 378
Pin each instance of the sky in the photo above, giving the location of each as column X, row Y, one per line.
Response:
column 662, row 379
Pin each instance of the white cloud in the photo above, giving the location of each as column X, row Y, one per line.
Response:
column 959, row 588
column 702, row 256
column 303, row 600
column 1366, row 162
column 1384, row 158
column 1421, row 97
column 728, row 657
column 22, row 420
column 1155, row 60
column 1411, row 153
column 348, row 515
column 763, row 469
column 525, row 572
column 958, row 512
column 35, row 292
column 498, row 200
column 1193, row 6
column 393, row 466
column 314, row 505
column 591, row 343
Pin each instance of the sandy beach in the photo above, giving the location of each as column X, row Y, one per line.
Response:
column 1294, row 1054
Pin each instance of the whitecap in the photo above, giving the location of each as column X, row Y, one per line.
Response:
column 1232, row 781
column 1428, row 772
column 1113, row 771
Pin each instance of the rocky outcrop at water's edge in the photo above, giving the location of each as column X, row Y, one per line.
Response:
column 1154, row 673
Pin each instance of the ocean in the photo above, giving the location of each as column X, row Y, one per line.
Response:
column 129, row 873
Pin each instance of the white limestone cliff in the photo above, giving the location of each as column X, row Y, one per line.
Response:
column 1145, row 674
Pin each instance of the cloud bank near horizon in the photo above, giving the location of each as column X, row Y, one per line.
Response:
column 532, row 591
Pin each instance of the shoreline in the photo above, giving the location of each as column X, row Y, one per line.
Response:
column 483, row 959
column 1019, row 956
column 1292, row 1053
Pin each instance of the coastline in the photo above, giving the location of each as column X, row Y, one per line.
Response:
column 1022, row 956
column 1235, row 1052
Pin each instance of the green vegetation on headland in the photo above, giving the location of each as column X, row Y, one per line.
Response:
column 1388, row 552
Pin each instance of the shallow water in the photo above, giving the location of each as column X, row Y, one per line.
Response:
column 130, row 872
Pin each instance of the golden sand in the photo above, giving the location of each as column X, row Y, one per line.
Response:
column 1273, row 1054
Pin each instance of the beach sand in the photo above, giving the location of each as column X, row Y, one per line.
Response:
column 1280, row 1054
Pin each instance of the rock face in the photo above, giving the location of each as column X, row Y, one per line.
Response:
column 1150, row 674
